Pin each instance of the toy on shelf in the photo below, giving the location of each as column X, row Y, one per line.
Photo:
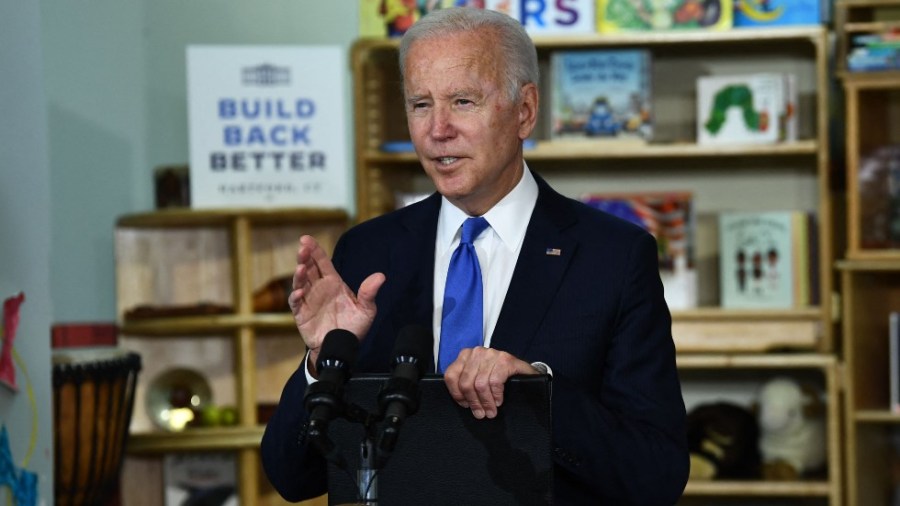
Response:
column 722, row 440
column 792, row 429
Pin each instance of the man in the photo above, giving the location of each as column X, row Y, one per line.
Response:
column 570, row 290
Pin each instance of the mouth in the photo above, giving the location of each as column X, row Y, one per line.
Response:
column 446, row 160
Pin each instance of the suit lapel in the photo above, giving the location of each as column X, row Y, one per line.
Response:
column 412, row 260
column 539, row 270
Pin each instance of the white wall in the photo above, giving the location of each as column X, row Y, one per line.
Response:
column 25, row 244
column 115, row 78
column 93, row 98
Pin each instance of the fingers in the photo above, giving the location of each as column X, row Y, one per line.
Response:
column 320, row 300
column 313, row 264
column 304, row 251
column 476, row 379
column 301, row 285
column 369, row 289
column 314, row 257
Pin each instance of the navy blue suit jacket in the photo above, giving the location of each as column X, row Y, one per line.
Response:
column 595, row 314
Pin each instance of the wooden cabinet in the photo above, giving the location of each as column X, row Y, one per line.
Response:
column 182, row 258
column 871, row 291
column 730, row 376
column 870, row 274
column 791, row 175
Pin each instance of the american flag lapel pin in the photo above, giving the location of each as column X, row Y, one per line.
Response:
column 553, row 252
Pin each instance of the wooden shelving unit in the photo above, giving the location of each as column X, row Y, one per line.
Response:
column 870, row 273
column 861, row 17
column 824, row 369
column 871, row 291
column 758, row 343
column 178, row 257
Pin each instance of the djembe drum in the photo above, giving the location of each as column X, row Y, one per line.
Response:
column 93, row 396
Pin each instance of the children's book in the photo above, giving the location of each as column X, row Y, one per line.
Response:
column 641, row 15
column 556, row 17
column 200, row 478
column 601, row 94
column 669, row 217
column 746, row 109
column 391, row 18
column 767, row 259
column 777, row 12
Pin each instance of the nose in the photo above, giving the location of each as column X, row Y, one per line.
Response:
column 442, row 123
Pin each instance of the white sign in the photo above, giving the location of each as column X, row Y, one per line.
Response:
column 267, row 126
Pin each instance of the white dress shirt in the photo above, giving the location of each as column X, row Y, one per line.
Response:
column 497, row 248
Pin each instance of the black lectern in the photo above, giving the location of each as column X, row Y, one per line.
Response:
column 444, row 456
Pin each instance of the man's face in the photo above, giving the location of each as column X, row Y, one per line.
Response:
column 466, row 131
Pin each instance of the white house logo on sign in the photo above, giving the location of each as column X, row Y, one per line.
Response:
column 266, row 126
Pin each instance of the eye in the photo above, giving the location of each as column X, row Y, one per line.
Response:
column 464, row 102
column 417, row 105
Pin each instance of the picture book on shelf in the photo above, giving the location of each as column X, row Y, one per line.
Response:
column 873, row 52
column 636, row 15
column 746, row 109
column 669, row 217
column 777, row 12
column 391, row 18
column 601, row 94
column 200, row 478
column 767, row 259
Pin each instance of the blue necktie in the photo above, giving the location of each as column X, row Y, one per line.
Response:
column 462, row 320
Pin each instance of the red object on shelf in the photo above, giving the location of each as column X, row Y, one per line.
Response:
column 76, row 335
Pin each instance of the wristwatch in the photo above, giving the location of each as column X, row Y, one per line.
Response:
column 542, row 368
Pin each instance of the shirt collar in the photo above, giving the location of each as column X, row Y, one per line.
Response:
column 505, row 217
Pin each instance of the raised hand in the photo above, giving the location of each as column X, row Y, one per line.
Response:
column 321, row 301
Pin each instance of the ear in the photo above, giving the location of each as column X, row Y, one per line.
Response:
column 528, row 110
column 812, row 403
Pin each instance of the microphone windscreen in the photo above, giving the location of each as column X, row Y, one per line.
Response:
column 414, row 341
column 338, row 345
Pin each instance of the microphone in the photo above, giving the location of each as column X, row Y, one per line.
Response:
column 413, row 352
column 324, row 399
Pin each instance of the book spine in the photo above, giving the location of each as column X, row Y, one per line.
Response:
column 894, row 353
column 800, row 235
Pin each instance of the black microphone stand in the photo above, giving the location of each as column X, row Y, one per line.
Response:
column 367, row 473
column 398, row 398
column 373, row 457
